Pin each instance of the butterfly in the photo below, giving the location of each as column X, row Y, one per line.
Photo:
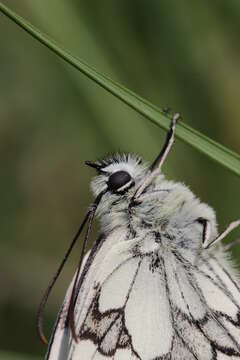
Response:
column 158, row 284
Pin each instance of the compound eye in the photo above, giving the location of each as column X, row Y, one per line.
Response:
column 118, row 179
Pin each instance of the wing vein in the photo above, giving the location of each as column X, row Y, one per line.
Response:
column 171, row 312
column 203, row 300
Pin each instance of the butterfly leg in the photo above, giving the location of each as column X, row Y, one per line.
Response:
column 157, row 164
column 155, row 168
column 233, row 225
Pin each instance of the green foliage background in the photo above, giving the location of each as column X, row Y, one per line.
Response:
column 185, row 55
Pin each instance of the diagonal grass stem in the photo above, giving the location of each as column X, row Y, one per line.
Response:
column 202, row 143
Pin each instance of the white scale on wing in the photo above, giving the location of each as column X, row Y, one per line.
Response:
column 222, row 269
column 88, row 289
column 148, row 305
column 216, row 299
column 116, row 275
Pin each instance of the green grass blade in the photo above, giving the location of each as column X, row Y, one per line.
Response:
column 207, row 146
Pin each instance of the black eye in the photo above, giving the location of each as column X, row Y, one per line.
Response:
column 118, row 180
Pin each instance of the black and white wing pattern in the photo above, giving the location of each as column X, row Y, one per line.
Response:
column 140, row 300
column 205, row 304
column 220, row 289
column 112, row 309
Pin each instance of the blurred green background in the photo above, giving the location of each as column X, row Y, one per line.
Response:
column 185, row 55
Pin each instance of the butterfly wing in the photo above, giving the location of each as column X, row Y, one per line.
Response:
column 139, row 303
column 218, row 282
column 205, row 303
column 60, row 341
column 123, row 314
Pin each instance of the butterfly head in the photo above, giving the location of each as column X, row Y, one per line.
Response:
column 118, row 175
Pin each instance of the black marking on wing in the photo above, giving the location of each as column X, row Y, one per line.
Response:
column 194, row 322
column 172, row 312
column 103, row 324
column 97, row 288
column 229, row 277
column 199, row 324
column 212, row 315
column 227, row 273
column 98, row 326
column 220, row 284
column 89, row 262
column 61, row 313
column 217, row 316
